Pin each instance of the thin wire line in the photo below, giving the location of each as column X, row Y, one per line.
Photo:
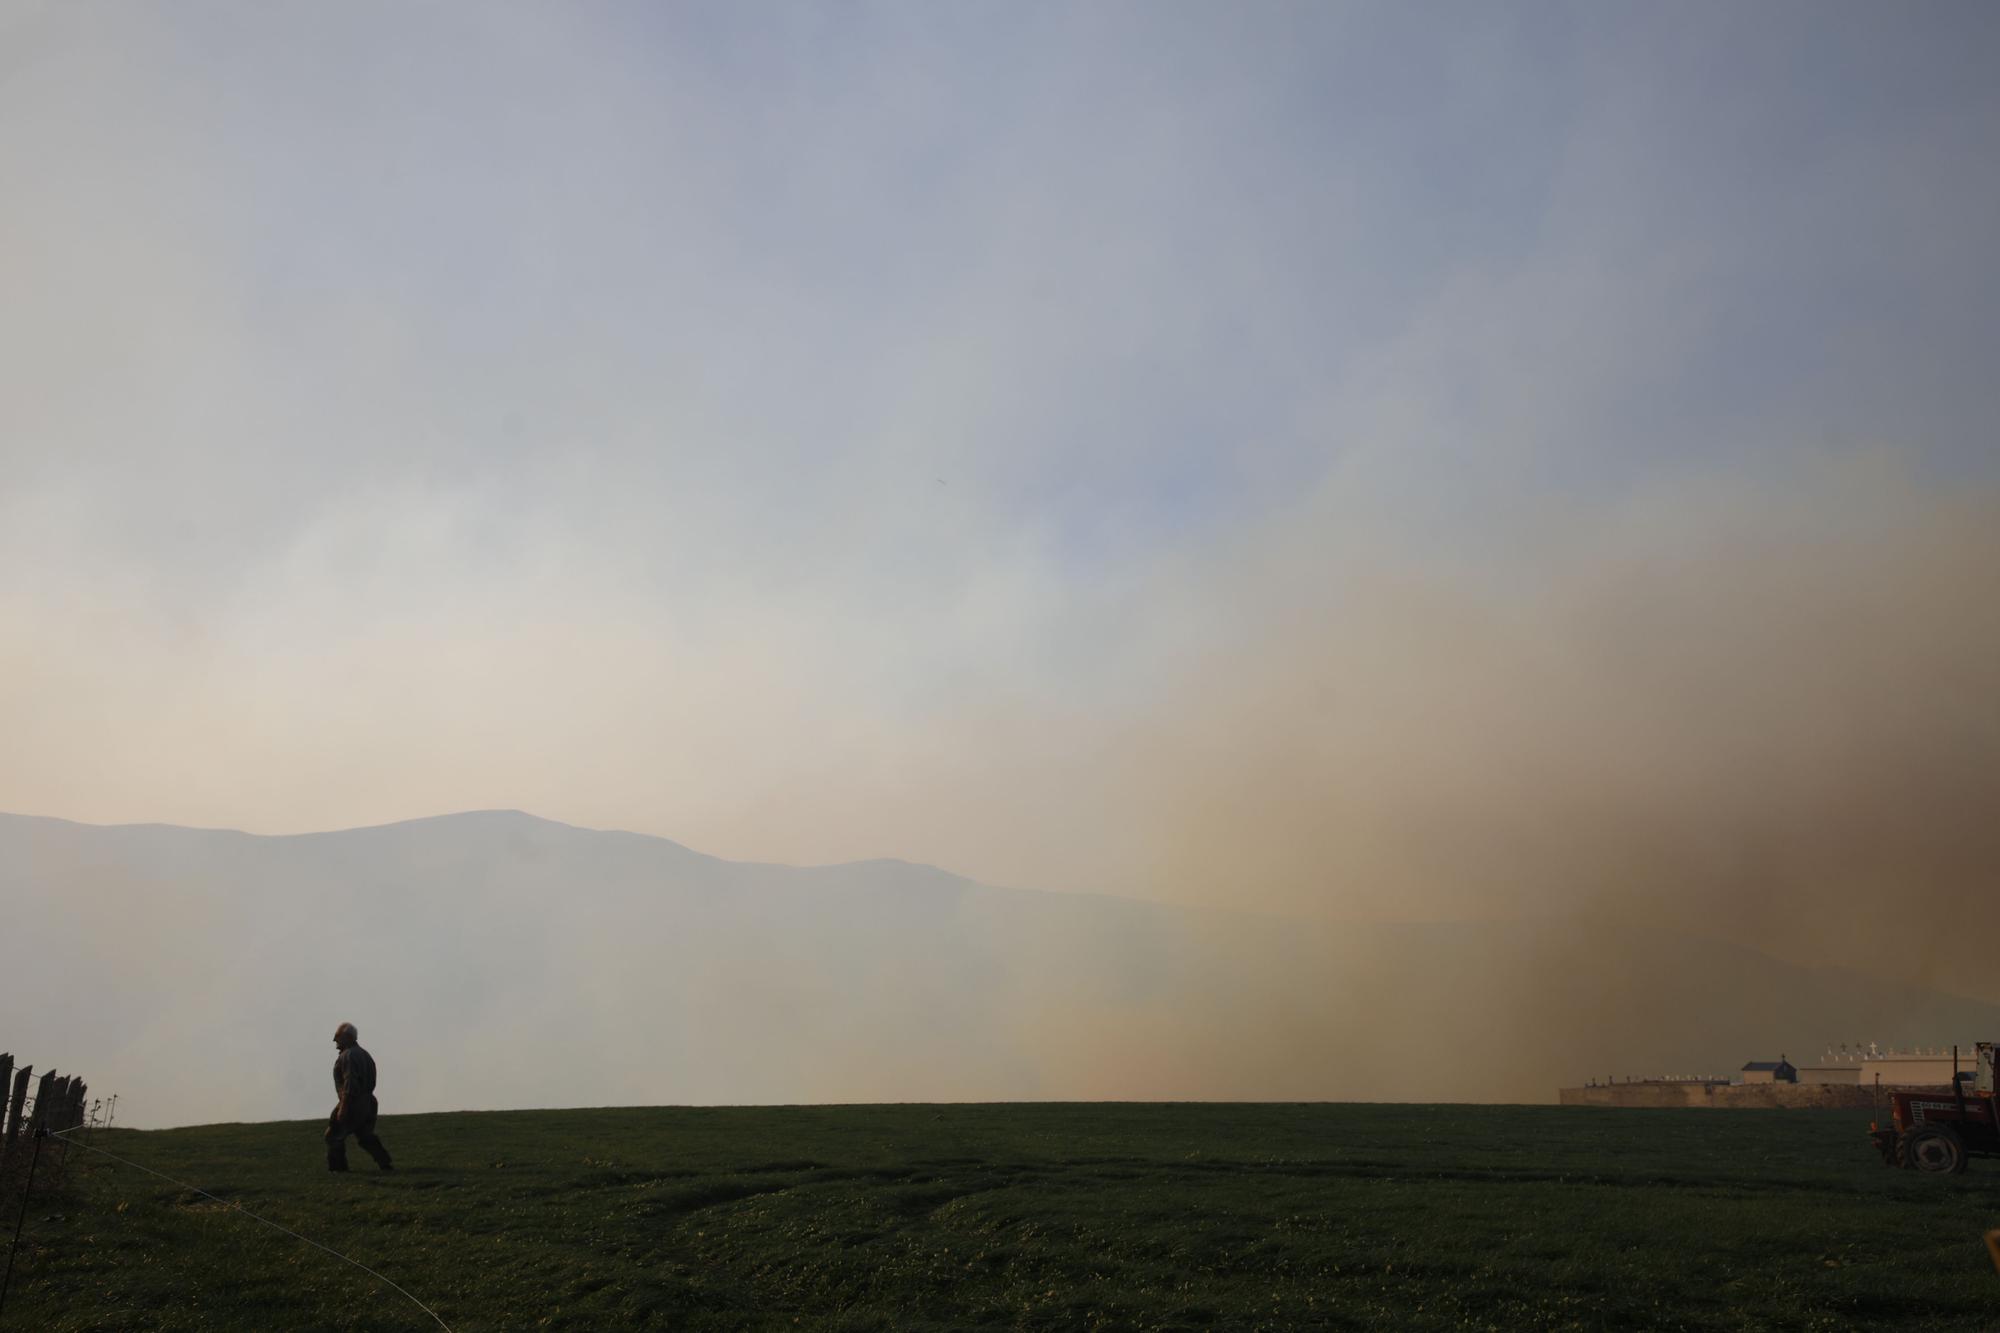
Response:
column 254, row 1218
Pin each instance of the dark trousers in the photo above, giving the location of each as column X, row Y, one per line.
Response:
column 360, row 1122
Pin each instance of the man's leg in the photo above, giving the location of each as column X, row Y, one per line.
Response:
column 373, row 1147
column 364, row 1134
column 336, row 1145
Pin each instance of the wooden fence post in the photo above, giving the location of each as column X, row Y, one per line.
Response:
column 19, row 1098
column 44, row 1088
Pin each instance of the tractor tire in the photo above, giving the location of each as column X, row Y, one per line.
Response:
column 1933, row 1148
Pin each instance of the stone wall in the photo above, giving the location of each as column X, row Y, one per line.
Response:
column 1758, row 1096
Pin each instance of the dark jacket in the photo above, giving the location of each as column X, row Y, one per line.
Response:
column 354, row 1075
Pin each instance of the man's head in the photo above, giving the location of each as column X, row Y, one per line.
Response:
column 344, row 1035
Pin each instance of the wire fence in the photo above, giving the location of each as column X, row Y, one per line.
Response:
column 233, row 1206
column 38, row 1127
column 59, row 1105
column 31, row 1107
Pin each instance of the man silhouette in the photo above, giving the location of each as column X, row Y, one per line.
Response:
column 354, row 1080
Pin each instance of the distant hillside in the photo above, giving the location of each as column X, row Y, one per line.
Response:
column 499, row 960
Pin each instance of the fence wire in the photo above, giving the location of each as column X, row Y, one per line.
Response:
column 265, row 1221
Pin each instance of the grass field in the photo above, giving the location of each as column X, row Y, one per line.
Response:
column 1040, row 1216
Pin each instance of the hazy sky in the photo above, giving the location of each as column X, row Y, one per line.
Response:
column 1361, row 456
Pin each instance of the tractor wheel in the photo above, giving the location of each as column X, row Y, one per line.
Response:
column 1935, row 1148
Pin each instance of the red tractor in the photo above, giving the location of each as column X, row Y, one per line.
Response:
column 1939, row 1129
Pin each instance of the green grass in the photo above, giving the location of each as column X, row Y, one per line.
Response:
column 1050, row 1216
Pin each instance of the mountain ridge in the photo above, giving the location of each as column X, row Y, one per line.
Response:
column 200, row 970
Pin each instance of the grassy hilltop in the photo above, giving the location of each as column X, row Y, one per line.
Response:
column 1043, row 1216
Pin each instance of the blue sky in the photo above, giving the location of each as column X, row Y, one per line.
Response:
column 664, row 415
